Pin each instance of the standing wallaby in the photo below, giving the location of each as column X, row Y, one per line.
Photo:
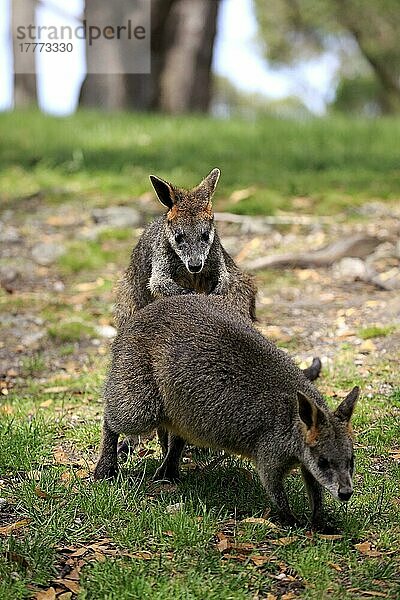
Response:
column 181, row 253
column 187, row 365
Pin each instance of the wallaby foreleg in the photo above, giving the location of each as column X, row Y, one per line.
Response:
column 161, row 286
column 272, row 479
column 315, row 494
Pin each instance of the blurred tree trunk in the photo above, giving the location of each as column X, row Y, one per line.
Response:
column 143, row 90
column 103, row 90
column 186, row 78
column 182, row 43
column 123, row 91
column 25, row 94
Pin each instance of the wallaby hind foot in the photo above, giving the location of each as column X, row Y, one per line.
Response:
column 169, row 469
column 313, row 371
column 107, row 467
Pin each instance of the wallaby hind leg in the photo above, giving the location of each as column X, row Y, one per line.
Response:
column 163, row 437
column 106, row 467
column 169, row 468
column 312, row 372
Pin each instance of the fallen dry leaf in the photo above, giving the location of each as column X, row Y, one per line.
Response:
column 367, row 346
column 74, row 574
column 284, row 541
column 46, row 403
column 335, row 566
column 223, row 545
column 7, row 529
column 48, row 594
column 169, row 533
column 365, row 548
column 61, row 457
column 65, row 596
column 73, row 586
column 79, row 552
column 259, row 521
column 57, row 389
column 259, row 560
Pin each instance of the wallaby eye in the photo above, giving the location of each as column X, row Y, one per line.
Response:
column 179, row 237
column 205, row 236
column 323, row 463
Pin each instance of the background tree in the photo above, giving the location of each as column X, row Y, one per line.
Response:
column 25, row 94
column 294, row 30
column 182, row 43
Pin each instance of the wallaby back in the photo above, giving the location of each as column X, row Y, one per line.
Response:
column 186, row 365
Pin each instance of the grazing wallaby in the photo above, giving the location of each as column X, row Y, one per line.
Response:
column 187, row 365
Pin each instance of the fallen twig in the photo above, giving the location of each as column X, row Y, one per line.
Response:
column 356, row 247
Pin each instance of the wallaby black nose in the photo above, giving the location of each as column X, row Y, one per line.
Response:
column 195, row 267
column 345, row 496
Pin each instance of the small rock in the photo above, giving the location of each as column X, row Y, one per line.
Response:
column 3, row 503
column 367, row 346
column 350, row 269
column 46, row 253
column 117, row 216
column 106, row 331
column 172, row 509
column 31, row 339
column 9, row 234
column 389, row 280
column 58, row 286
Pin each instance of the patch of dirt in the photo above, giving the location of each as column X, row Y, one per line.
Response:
column 311, row 312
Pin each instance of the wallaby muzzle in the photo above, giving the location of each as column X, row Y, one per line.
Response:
column 195, row 266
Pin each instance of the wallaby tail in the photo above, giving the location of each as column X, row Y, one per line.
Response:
column 313, row 371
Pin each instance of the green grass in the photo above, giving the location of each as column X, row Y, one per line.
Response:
column 375, row 331
column 50, row 420
column 332, row 162
column 157, row 554
column 71, row 331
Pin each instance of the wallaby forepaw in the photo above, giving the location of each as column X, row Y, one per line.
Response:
column 104, row 471
column 164, row 475
column 287, row 519
column 126, row 447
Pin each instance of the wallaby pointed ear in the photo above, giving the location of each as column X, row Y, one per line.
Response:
column 311, row 416
column 307, row 410
column 164, row 190
column 210, row 182
column 345, row 409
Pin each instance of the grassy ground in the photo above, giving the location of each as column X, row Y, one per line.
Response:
column 61, row 534
column 332, row 163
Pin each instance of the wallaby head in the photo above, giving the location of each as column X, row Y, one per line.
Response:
column 189, row 222
column 328, row 447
